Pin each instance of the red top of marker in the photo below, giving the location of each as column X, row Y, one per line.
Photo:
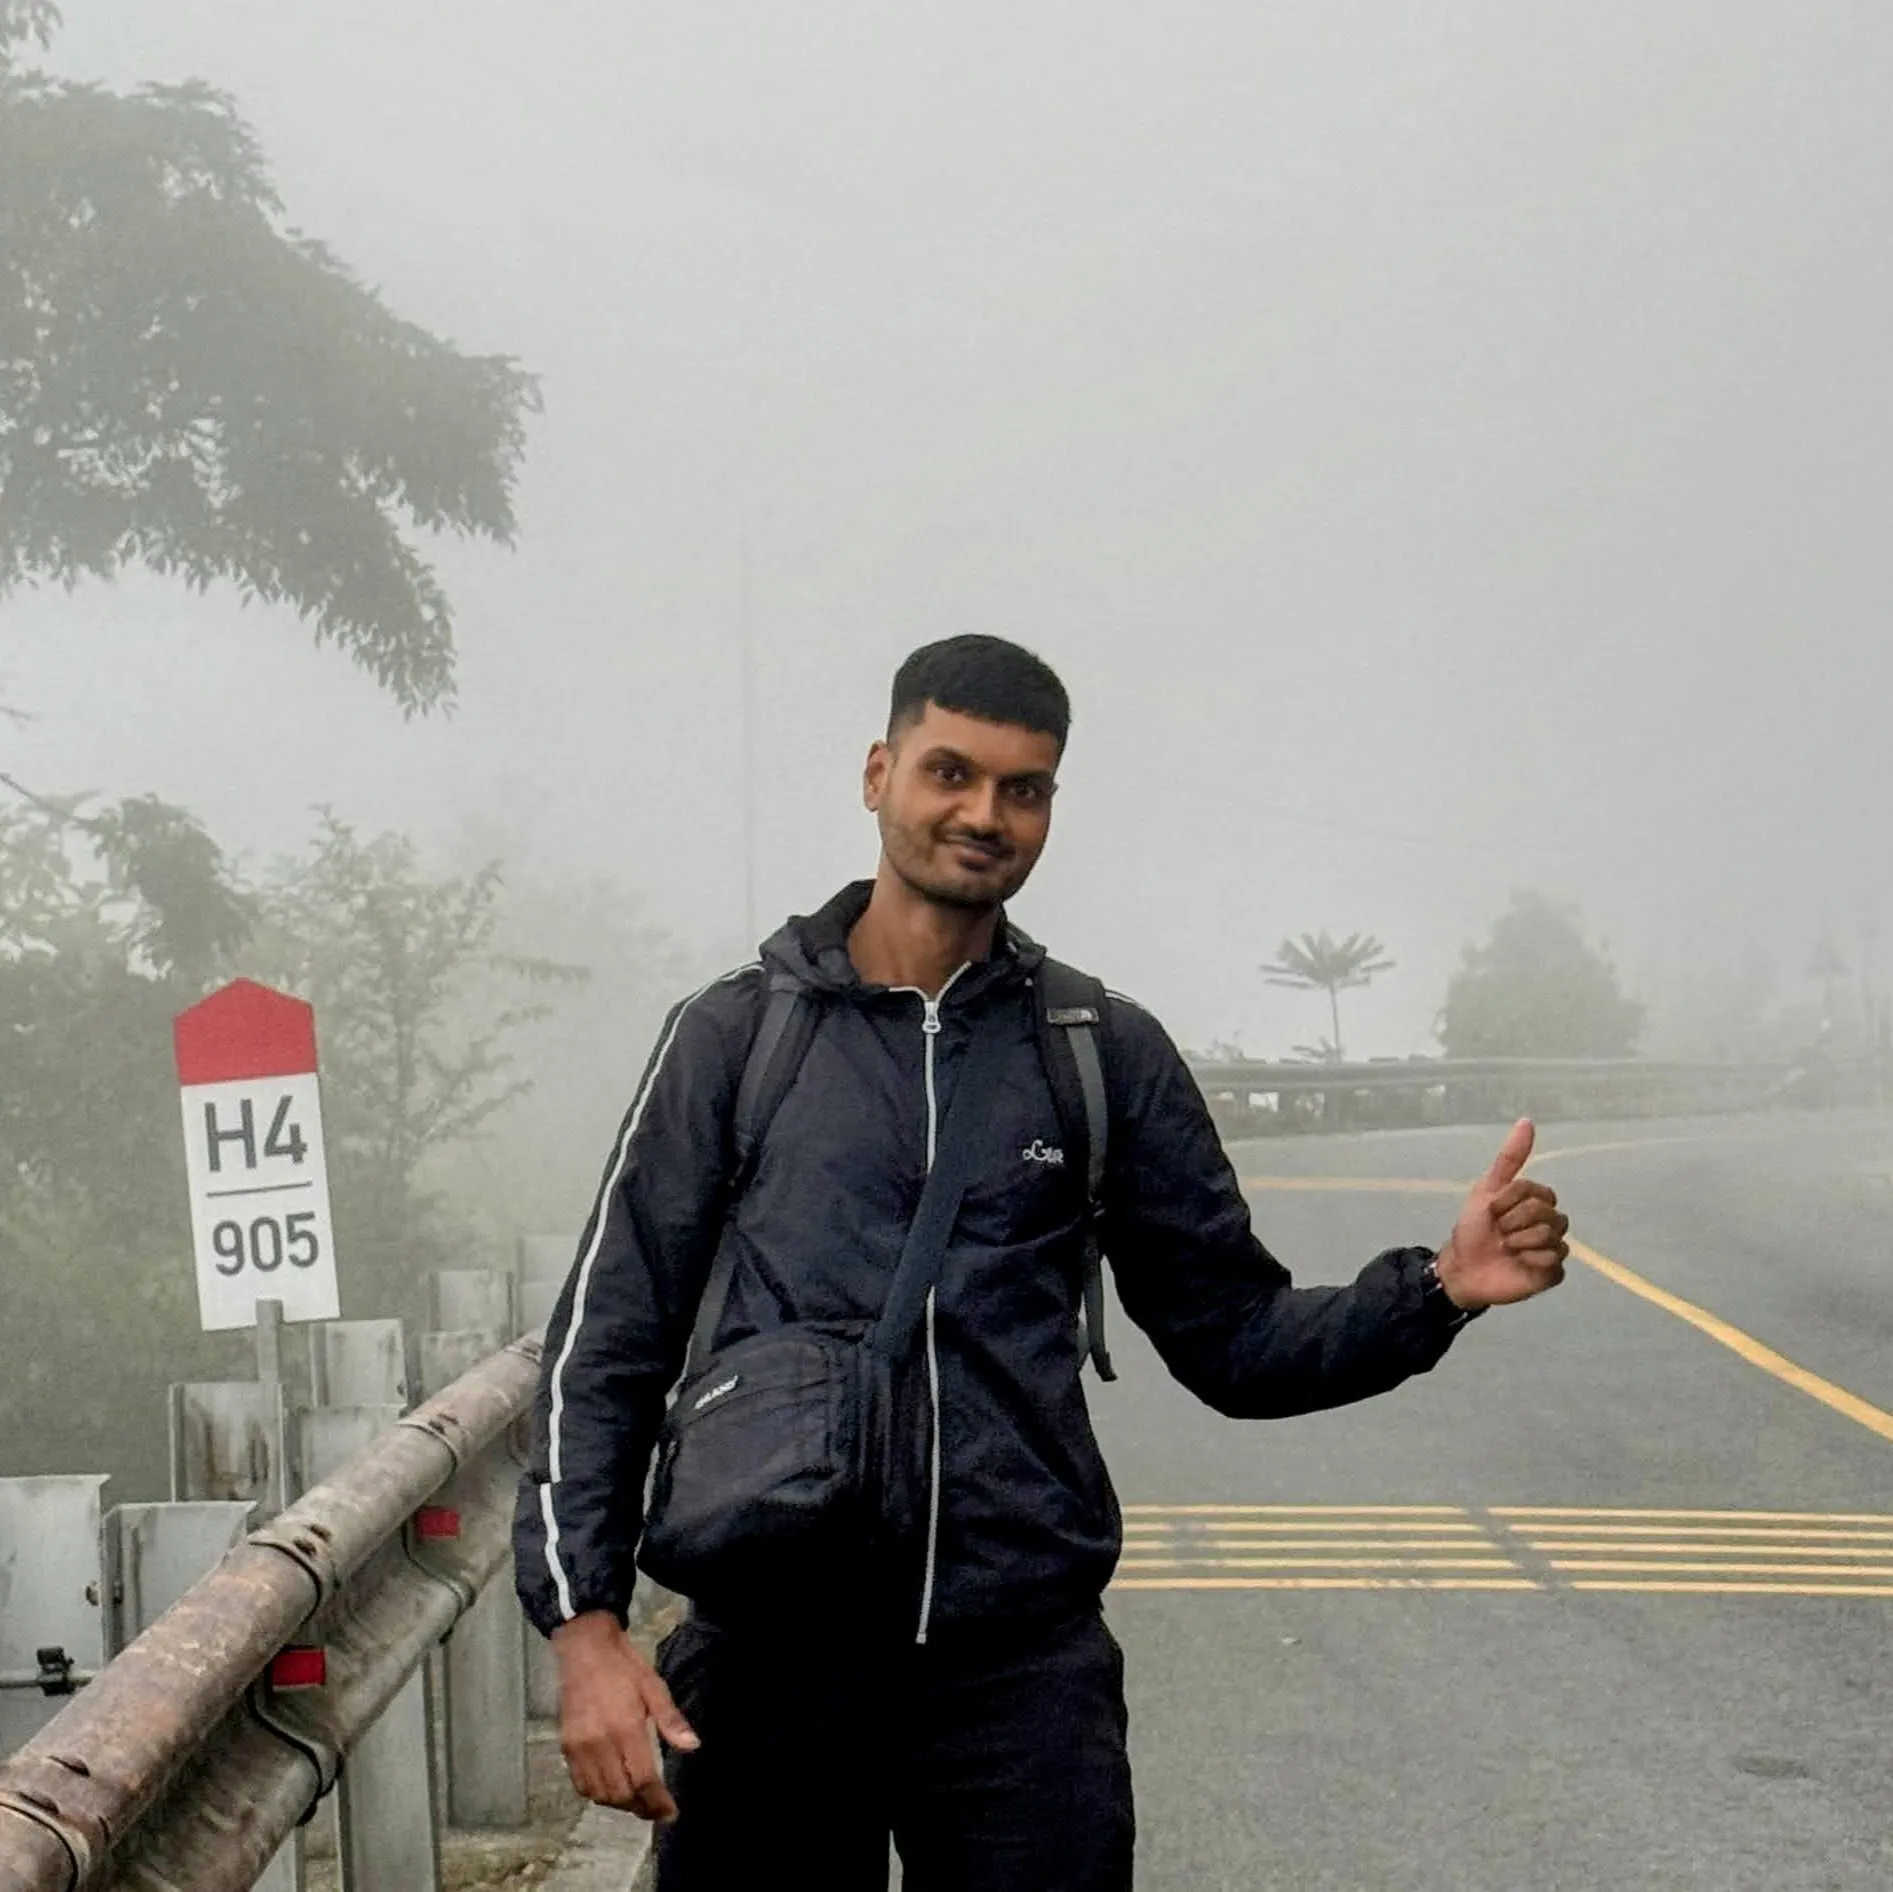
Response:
column 244, row 1030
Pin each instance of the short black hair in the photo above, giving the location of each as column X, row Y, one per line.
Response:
column 981, row 676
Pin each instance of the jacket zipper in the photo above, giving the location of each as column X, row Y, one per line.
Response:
column 930, row 1027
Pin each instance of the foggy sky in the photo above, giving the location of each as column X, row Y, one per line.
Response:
column 1444, row 448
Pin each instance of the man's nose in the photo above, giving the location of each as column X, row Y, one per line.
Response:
column 981, row 809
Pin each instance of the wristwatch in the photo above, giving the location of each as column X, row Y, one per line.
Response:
column 1440, row 1305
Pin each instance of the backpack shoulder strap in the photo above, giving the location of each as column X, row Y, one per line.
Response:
column 1071, row 1009
column 785, row 1025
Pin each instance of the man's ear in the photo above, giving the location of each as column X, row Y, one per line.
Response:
column 874, row 776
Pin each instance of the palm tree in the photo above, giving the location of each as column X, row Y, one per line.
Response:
column 1317, row 963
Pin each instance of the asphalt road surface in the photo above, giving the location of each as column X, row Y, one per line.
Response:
column 1602, row 1602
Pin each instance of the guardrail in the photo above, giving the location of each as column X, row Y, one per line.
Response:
column 1260, row 1097
column 194, row 1754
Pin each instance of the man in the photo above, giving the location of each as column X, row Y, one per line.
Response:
column 971, row 1703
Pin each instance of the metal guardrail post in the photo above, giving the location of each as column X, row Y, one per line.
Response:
column 385, row 1803
column 231, row 1442
column 163, row 1772
column 358, row 1363
column 50, row 1591
column 482, row 1670
column 153, row 1553
column 462, row 1299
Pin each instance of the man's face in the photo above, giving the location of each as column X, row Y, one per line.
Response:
column 964, row 805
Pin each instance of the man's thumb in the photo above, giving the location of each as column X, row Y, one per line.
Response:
column 1513, row 1154
column 669, row 1717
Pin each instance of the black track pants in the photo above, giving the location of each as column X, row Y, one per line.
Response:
column 996, row 1761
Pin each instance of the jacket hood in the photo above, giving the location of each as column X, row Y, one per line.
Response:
column 812, row 949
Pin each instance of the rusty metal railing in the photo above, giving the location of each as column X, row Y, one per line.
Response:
column 190, row 1758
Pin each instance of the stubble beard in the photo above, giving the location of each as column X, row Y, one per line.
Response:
column 956, row 898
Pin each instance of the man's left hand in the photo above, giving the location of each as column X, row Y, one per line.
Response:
column 1509, row 1242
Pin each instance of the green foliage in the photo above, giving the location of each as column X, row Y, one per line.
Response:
column 110, row 921
column 1319, row 963
column 189, row 384
column 418, row 1007
column 1538, row 989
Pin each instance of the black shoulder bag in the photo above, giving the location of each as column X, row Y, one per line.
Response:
column 797, row 1458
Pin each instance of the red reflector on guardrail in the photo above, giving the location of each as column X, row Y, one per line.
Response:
column 436, row 1520
column 299, row 1668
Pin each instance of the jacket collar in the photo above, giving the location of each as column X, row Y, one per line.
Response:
column 813, row 949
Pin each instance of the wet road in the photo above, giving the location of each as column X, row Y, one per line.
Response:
column 1604, row 1601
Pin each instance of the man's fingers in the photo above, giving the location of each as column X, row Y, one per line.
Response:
column 1504, row 1201
column 669, row 1718
column 1548, row 1262
column 1532, row 1215
column 1514, row 1154
column 598, row 1773
column 653, row 1802
column 650, row 1796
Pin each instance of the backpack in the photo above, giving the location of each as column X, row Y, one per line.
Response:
column 1068, row 1011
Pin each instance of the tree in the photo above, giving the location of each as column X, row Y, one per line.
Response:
column 1317, row 963
column 1538, row 989
column 189, row 383
column 110, row 922
column 417, row 1008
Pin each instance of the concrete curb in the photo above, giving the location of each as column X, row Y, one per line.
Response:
column 608, row 1852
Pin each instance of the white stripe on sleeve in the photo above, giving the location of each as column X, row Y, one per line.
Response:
column 555, row 1440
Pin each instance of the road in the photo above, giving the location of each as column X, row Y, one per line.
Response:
column 1604, row 1601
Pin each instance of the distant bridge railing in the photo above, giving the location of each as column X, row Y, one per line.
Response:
column 1263, row 1097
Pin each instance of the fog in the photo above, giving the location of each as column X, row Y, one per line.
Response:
column 1443, row 448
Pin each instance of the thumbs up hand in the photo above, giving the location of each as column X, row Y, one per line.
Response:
column 1508, row 1243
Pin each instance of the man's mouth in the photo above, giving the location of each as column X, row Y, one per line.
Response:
column 982, row 853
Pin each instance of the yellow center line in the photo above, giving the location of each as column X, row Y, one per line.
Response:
column 1753, row 1531
column 1262, row 1531
column 1645, row 1587
column 1670, row 1568
column 1552, row 1512
column 1324, row 1563
column 1589, row 1547
column 1184, row 1546
column 1297, row 1510
column 1836, row 1398
column 1327, row 1583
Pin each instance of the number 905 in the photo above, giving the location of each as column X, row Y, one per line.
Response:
column 267, row 1243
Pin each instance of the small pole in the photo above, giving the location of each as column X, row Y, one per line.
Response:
column 269, row 1370
column 269, row 1342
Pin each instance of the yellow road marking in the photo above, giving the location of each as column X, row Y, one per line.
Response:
column 1260, row 1529
column 1469, row 1540
column 1327, row 1583
column 1836, row 1398
column 1668, row 1567
column 1752, row 1533
column 1297, row 1510
column 1738, row 1589
column 1591, row 1547
column 1490, row 1562
column 1708, row 1517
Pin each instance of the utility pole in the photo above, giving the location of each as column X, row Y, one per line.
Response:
column 746, row 649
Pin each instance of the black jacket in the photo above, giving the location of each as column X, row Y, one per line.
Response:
column 1028, row 1520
